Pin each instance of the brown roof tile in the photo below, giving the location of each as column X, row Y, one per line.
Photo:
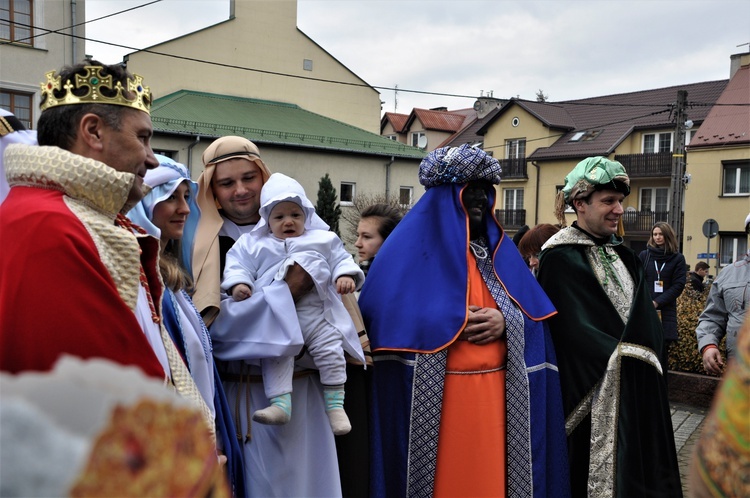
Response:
column 615, row 115
column 728, row 122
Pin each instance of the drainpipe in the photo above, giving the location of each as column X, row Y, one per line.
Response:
column 73, row 31
column 536, row 197
column 190, row 155
column 388, row 178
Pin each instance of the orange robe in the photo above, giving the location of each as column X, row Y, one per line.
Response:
column 471, row 459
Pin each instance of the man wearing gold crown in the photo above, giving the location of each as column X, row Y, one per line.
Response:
column 75, row 277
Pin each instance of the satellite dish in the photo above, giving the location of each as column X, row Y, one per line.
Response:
column 422, row 141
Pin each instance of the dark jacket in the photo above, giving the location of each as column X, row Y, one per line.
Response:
column 673, row 274
column 696, row 282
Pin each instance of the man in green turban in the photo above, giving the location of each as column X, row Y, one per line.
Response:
column 609, row 342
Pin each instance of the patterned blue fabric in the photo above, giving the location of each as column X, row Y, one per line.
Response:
column 458, row 165
column 421, row 266
column 417, row 260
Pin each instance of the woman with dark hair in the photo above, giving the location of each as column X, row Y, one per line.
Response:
column 666, row 274
column 376, row 222
column 531, row 244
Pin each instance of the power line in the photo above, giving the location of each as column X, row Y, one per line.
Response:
column 59, row 31
column 307, row 78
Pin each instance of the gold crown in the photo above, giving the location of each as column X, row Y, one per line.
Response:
column 94, row 81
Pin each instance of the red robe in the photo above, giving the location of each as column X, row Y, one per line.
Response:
column 56, row 295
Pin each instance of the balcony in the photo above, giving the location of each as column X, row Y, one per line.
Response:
column 514, row 169
column 512, row 219
column 650, row 165
column 641, row 222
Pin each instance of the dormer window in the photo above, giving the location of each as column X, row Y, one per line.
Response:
column 586, row 135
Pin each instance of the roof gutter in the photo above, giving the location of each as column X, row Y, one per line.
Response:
column 536, row 196
column 190, row 154
column 388, row 177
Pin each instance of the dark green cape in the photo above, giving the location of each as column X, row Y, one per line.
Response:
column 586, row 331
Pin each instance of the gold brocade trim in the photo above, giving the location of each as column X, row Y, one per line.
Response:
column 118, row 249
column 603, row 403
column 5, row 127
column 91, row 182
column 620, row 293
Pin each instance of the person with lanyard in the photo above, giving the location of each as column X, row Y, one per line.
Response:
column 169, row 212
column 297, row 458
column 64, row 218
column 466, row 395
column 609, row 345
column 666, row 274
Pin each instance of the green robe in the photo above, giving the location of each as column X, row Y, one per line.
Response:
column 631, row 450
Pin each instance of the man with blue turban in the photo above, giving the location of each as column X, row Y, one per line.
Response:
column 466, row 397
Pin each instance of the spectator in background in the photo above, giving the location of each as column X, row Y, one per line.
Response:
column 726, row 307
column 531, row 244
column 376, row 222
column 696, row 277
column 665, row 272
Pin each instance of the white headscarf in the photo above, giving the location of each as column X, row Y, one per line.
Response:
column 161, row 183
column 281, row 188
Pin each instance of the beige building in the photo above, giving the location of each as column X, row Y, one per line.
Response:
column 267, row 81
column 538, row 143
column 260, row 53
column 30, row 45
column 718, row 160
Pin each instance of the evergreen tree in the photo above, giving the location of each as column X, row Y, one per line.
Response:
column 326, row 207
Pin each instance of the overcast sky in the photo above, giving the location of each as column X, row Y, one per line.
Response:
column 568, row 49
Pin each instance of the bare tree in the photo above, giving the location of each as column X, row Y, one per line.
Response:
column 350, row 214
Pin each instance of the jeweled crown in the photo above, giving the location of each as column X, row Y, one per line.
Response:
column 95, row 82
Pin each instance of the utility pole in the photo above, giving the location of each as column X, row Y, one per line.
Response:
column 677, row 185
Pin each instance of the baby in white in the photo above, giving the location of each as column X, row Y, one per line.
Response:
column 290, row 232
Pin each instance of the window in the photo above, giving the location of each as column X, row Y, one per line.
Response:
column 391, row 137
column 515, row 149
column 655, row 200
column 405, row 196
column 307, row 64
column 585, row 136
column 347, row 193
column 689, row 134
column 513, row 198
column 657, row 142
column 19, row 104
column 419, row 139
column 16, row 21
column 732, row 246
column 737, row 178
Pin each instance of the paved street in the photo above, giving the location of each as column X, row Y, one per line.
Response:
column 686, row 421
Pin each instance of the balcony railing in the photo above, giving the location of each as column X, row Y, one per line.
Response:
column 514, row 168
column 642, row 221
column 650, row 165
column 511, row 219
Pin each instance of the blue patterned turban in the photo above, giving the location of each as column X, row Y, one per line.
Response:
column 458, row 165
